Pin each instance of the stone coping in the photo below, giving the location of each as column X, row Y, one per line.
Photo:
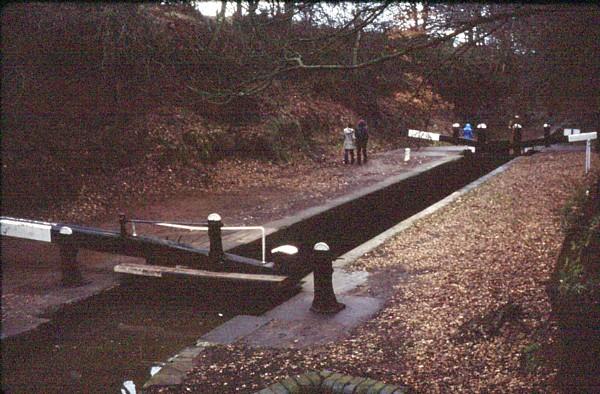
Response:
column 331, row 382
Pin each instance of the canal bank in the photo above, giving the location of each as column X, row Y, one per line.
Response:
column 466, row 307
column 292, row 324
column 31, row 293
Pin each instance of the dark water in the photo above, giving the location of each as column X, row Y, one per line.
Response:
column 96, row 345
column 351, row 224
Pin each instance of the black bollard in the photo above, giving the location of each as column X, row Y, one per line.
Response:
column 481, row 132
column 517, row 138
column 482, row 135
column 123, row 224
column 286, row 262
column 71, row 276
column 324, row 300
column 455, row 132
column 546, row 134
column 215, row 253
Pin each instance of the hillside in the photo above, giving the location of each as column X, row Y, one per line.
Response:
column 97, row 113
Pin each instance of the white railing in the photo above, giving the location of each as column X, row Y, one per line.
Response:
column 226, row 228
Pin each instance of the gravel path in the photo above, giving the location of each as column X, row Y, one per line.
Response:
column 468, row 311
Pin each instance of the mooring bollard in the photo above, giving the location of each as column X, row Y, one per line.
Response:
column 215, row 252
column 406, row 154
column 546, row 134
column 285, row 258
column 481, row 133
column 455, row 132
column 123, row 224
column 517, row 137
column 71, row 276
column 324, row 299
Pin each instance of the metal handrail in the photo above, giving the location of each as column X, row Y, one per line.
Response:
column 225, row 228
column 162, row 221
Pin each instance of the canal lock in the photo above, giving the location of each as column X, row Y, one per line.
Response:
column 119, row 335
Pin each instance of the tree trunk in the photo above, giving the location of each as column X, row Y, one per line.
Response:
column 220, row 21
column 356, row 47
column 252, row 6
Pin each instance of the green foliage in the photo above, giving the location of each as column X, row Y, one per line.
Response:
column 207, row 145
column 572, row 212
column 570, row 278
column 579, row 271
column 530, row 356
column 283, row 137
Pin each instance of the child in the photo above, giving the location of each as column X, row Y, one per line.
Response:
column 349, row 144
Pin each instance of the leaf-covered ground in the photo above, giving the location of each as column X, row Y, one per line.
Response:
column 468, row 311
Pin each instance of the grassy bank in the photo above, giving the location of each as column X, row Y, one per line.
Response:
column 575, row 291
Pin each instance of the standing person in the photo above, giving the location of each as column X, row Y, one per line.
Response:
column 468, row 132
column 362, row 137
column 349, row 144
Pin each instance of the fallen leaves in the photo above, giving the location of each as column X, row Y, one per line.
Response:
column 483, row 264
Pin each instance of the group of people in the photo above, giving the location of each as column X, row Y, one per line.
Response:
column 356, row 139
column 515, row 127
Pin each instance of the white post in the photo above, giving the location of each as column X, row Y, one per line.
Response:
column 406, row 154
column 588, row 155
column 587, row 137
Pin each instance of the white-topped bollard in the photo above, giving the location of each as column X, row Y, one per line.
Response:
column 406, row 154
column 324, row 300
column 546, row 135
column 215, row 252
column 481, row 133
column 455, row 131
column 286, row 261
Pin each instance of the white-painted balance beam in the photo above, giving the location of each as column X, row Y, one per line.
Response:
column 423, row 135
column 37, row 231
column 583, row 137
column 587, row 137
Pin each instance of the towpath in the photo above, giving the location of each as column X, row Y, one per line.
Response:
column 463, row 291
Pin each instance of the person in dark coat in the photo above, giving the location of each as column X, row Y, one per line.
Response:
column 362, row 137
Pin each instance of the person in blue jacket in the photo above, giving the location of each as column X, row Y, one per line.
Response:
column 468, row 131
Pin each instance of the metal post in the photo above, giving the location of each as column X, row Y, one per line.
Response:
column 546, row 134
column 588, row 155
column 123, row 224
column 517, row 137
column 324, row 299
column 71, row 276
column 215, row 253
column 455, row 132
column 285, row 259
column 482, row 137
